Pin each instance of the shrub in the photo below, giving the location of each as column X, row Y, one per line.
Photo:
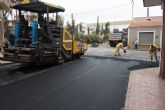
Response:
column 93, row 38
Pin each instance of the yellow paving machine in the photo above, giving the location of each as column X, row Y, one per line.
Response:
column 42, row 38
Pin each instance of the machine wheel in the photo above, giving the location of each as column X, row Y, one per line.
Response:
column 78, row 56
column 38, row 61
column 61, row 60
column 75, row 57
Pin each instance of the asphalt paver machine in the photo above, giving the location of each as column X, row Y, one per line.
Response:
column 41, row 38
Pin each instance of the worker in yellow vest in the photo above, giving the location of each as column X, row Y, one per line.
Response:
column 118, row 47
column 153, row 51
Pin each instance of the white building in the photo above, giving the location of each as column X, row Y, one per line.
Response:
column 116, row 24
column 113, row 25
column 151, row 18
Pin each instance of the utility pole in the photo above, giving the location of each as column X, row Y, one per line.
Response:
column 148, row 12
column 132, row 9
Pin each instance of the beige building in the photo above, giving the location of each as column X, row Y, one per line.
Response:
column 146, row 30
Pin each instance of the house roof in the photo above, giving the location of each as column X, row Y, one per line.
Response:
column 148, row 3
column 145, row 24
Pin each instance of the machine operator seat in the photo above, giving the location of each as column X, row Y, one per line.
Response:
column 43, row 30
column 24, row 27
column 25, row 40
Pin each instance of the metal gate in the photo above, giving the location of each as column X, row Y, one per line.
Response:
column 146, row 38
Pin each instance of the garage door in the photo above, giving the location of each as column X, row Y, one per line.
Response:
column 146, row 38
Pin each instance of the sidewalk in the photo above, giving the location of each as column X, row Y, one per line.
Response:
column 146, row 91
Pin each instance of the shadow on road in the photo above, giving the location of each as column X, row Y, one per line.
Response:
column 27, row 68
column 15, row 72
column 141, row 64
column 144, row 64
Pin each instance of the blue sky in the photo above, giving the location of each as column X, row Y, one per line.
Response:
column 107, row 10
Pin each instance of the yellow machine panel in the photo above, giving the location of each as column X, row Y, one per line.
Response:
column 25, row 1
column 79, row 47
column 20, row 2
column 84, row 47
column 67, row 40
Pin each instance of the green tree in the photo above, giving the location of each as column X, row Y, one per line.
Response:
column 80, row 28
column 76, row 29
column 102, row 30
column 88, row 30
column 77, row 33
column 69, row 27
column 97, row 26
column 87, row 39
column 106, row 31
column 93, row 38
column 107, row 28
column 73, row 24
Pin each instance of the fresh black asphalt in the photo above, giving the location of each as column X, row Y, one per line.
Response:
column 91, row 83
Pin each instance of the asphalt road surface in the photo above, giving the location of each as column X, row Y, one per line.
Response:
column 91, row 83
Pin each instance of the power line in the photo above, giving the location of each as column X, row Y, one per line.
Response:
column 140, row 8
column 132, row 9
column 92, row 11
column 92, row 17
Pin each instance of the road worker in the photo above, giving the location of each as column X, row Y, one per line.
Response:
column 118, row 47
column 136, row 44
column 153, row 52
